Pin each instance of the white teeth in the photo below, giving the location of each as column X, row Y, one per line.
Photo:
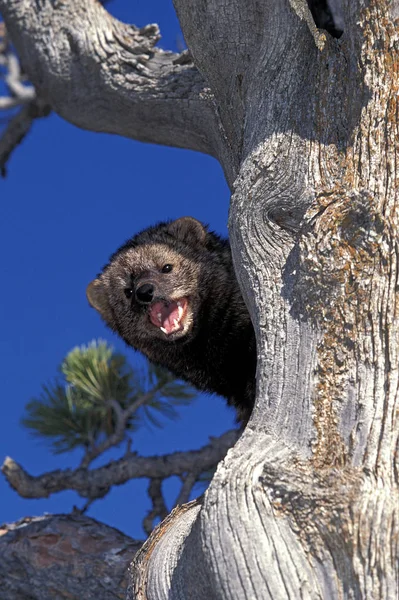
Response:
column 164, row 330
column 178, row 303
column 159, row 317
column 180, row 309
column 176, row 323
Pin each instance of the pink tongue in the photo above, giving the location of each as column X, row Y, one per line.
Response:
column 168, row 312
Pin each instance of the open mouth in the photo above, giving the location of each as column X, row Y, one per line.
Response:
column 169, row 316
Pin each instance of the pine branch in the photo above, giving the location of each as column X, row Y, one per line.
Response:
column 122, row 418
column 96, row 404
column 95, row 483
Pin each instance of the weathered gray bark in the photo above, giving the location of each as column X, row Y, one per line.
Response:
column 306, row 128
column 60, row 557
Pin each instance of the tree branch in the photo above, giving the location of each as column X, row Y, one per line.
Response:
column 17, row 128
column 64, row 557
column 121, row 418
column 19, row 95
column 104, row 75
column 97, row 482
column 159, row 509
column 188, row 483
column 13, row 80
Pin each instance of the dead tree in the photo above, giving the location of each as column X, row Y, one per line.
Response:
column 305, row 126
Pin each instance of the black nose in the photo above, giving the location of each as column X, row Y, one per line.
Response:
column 145, row 293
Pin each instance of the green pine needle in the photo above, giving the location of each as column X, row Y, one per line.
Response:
column 75, row 411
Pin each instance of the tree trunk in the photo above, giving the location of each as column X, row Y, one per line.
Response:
column 306, row 128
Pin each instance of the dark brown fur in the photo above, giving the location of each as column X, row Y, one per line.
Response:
column 214, row 345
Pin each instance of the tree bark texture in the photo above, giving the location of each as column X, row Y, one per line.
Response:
column 60, row 557
column 306, row 128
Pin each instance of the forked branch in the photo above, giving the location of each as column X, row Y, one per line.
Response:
column 104, row 75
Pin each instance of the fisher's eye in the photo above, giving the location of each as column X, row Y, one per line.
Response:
column 166, row 268
column 128, row 292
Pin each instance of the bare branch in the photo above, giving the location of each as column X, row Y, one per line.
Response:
column 159, row 509
column 103, row 75
column 97, row 482
column 188, row 484
column 7, row 102
column 13, row 80
column 83, row 509
column 17, row 128
column 19, row 95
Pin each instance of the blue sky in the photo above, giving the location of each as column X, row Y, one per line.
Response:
column 70, row 199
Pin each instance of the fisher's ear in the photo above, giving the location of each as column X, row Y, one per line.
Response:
column 188, row 229
column 97, row 297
